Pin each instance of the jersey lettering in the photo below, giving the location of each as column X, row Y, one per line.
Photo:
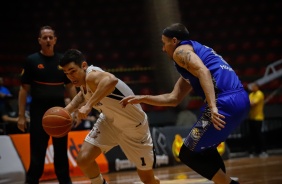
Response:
column 143, row 161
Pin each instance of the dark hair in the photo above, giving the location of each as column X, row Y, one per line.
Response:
column 176, row 30
column 72, row 55
column 46, row 27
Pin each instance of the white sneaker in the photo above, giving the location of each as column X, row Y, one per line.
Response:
column 235, row 178
column 263, row 155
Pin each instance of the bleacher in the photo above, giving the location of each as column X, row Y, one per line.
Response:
column 114, row 35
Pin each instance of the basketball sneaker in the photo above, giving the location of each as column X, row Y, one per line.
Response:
column 263, row 155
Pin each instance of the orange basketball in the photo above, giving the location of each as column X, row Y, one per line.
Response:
column 57, row 122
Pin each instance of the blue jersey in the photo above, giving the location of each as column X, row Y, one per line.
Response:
column 232, row 100
column 224, row 77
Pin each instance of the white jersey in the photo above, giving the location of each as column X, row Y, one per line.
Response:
column 112, row 110
column 127, row 127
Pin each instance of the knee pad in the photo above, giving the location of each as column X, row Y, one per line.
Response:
column 206, row 163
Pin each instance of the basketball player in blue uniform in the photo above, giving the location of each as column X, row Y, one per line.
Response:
column 226, row 101
column 127, row 127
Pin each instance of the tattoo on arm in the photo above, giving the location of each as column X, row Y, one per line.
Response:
column 184, row 57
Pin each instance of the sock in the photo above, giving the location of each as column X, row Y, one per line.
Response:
column 234, row 182
column 98, row 180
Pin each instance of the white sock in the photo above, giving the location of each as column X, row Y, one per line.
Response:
column 98, row 180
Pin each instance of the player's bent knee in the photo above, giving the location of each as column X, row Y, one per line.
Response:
column 87, row 155
column 185, row 155
column 82, row 159
column 199, row 162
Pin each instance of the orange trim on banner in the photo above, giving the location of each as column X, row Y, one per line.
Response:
column 21, row 143
column 75, row 140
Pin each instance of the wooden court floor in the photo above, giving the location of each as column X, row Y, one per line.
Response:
column 248, row 171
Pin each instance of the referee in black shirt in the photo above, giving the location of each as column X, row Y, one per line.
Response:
column 48, row 86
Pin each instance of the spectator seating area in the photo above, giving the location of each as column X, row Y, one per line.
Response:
column 246, row 33
column 114, row 35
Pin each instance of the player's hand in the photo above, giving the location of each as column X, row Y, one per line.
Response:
column 83, row 112
column 131, row 100
column 216, row 119
column 22, row 123
column 75, row 119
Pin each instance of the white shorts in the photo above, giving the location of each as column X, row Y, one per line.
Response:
column 136, row 142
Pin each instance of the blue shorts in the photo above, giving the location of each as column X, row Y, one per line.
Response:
column 234, row 106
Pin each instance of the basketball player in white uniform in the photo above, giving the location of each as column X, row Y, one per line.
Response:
column 126, row 127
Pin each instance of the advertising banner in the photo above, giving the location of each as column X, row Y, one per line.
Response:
column 75, row 140
column 11, row 168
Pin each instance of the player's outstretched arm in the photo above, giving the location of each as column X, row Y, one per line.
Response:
column 180, row 90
